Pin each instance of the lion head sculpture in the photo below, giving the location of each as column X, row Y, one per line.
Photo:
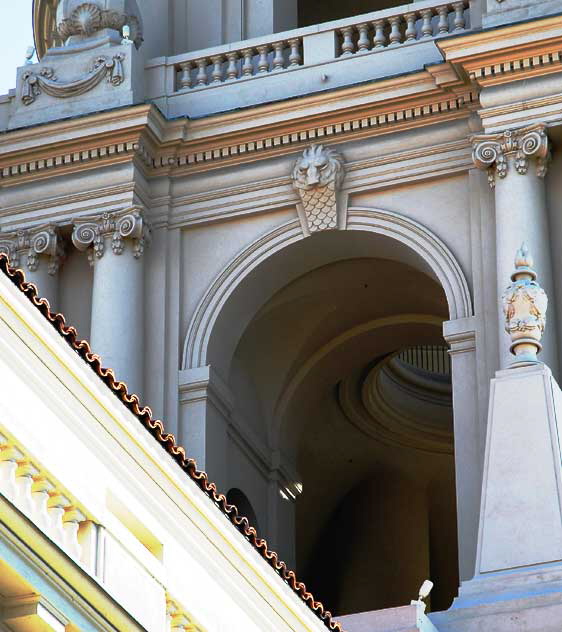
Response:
column 318, row 166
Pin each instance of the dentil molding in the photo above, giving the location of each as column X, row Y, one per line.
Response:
column 497, row 153
column 28, row 246
column 95, row 231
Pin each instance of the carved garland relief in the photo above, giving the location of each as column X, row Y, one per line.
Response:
column 33, row 83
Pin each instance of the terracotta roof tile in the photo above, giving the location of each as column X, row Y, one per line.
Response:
column 167, row 441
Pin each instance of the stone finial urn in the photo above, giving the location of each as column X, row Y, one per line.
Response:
column 524, row 306
column 89, row 24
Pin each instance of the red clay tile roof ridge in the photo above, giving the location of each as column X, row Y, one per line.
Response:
column 166, row 440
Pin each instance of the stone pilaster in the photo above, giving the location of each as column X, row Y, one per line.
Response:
column 38, row 251
column 516, row 162
column 115, row 243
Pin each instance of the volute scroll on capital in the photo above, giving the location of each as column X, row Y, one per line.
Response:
column 28, row 246
column 97, row 231
column 317, row 177
column 497, row 152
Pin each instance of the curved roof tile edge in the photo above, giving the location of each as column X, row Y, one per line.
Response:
column 167, row 441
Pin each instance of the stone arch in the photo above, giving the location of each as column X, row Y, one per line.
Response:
column 430, row 248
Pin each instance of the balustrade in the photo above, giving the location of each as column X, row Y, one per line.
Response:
column 402, row 28
column 261, row 59
column 371, row 32
column 25, row 485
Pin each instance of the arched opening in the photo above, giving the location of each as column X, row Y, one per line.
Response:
column 332, row 349
column 237, row 497
column 318, row 11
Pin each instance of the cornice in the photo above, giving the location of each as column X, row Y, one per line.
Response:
column 140, row 135
column 500, row 55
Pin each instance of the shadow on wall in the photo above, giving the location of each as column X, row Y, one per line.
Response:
column 387, row 536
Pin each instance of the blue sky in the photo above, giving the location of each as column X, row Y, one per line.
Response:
column 16, row 34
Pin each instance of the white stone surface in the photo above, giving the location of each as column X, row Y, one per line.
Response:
column 521, row 518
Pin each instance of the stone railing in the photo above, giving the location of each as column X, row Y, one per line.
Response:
column 371, row 32
column 224, row 64
column 39, row 497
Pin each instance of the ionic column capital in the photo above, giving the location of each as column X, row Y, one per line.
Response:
column 493, row 151
column 28, row 246
column 96, row 231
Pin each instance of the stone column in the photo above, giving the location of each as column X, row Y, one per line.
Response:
column 516, row 161
column 116, row 243
column 38, row 251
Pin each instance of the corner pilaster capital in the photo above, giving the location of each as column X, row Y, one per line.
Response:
column 497, row 153
column 33, row 247
column 97, row 231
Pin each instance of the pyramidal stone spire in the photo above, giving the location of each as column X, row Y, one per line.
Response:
column 524, row 306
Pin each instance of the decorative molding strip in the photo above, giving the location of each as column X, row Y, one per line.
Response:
column 529, row 65
column 34, row 83
column 493, row 151
column 107, row 152
column 31, row 244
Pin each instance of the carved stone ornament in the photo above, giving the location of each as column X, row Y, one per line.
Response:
column 34, row 83
column 497, row 152
column 317, row 177
column 96, row 231
column 85, row 20
column 30, row 246
column 524, row 306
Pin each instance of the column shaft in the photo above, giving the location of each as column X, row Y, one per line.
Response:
column 117, row 329
column 116, row 243
column 521, row 216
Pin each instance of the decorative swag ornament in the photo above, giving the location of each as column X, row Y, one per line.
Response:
column 33, row 84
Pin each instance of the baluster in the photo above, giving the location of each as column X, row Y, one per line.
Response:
column 232, row 68
column 278, row 59
column 411, row 26
column 427, row 27
column 263, row 63
column 40, row 495
column 347, row 46
column 55, row 506
column 295, row 56
column 380, row 39
column 443, row 12
column 395, row 30
column 248, row 66
column 217, row 60
column 201, row 71
column 9, row 456
column 459, row 16
column 363, row 43
column 185, row 80
column 24, row 481
column 70, row 522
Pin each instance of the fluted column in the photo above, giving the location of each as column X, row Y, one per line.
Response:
column 516, row 161
column 38, row 251
column 116, row 243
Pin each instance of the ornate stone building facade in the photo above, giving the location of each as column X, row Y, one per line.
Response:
column 288, row 227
